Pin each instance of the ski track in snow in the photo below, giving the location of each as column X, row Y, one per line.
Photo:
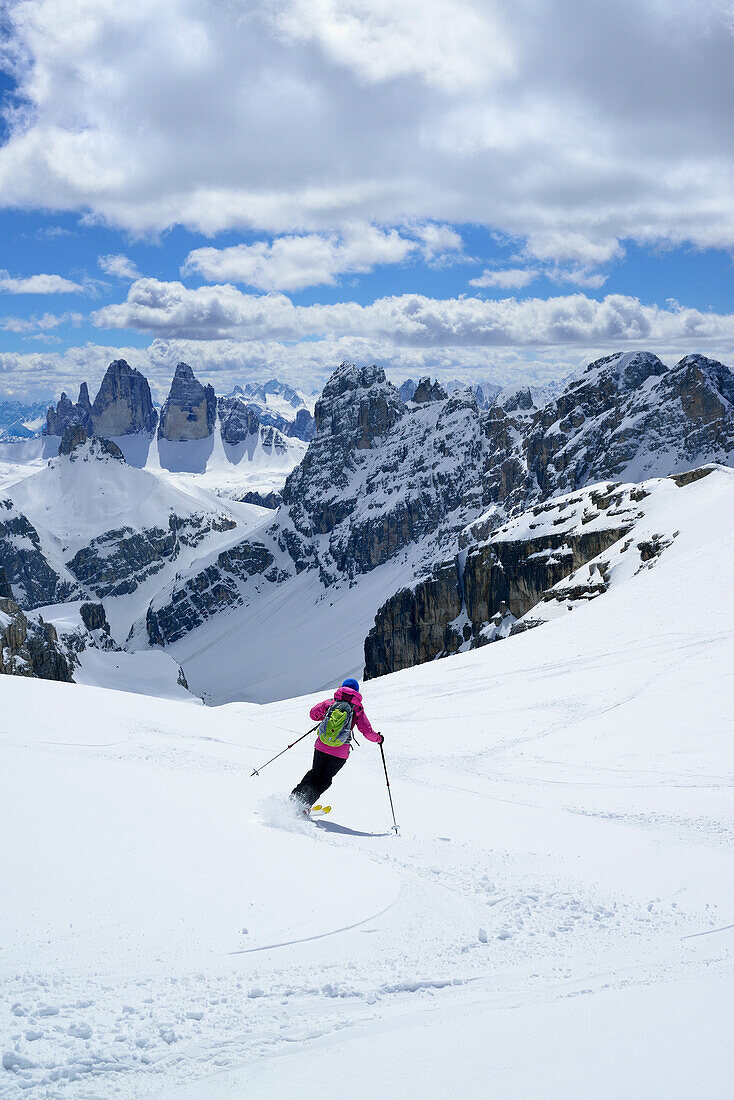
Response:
column 565, row 870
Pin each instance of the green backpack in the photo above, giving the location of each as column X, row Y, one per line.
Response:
column 335, row 727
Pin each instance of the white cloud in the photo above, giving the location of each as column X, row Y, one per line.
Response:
column 440, row 242
column 38, row 284
column 294, row 262
column 305, row 116
column 40, row 323
column 512, row 278
column 119, row 266
column 516, row 278
column 578, row 276
column 451, row 44
column 410, row 320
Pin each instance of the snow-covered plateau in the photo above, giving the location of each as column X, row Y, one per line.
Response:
column 554, row 920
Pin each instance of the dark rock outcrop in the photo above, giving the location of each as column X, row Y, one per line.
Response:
column 32, row 578
column 28, row 645
column 187, row 604
column 237, row 420
column 414, row 625
column 66, row 414
column 190, row 408
column 427, row 391
column 116, row 562
column 304, row 426
column 75, row 443
column 263, row 500
column 6, row 592
column 75, row 435
column 123, row 405
column 499, row 577
column 94, row 617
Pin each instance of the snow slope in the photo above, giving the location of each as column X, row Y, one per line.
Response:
column 74, row 501
column 260, row 463
column 256, row 464
column 556, row 918
column 317, row 634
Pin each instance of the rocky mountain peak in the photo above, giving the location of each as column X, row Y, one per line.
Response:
column 304, row 426
column 358, row 405
column 517, row 399
column 427, row 391
column 278, row 405
column 66, row 413
column 610, row 377
column 704, row 386
column 83, row 401
column 123, row 405
column 190, row 408
column 356, row 411
column 237, row 420
column 272, row 388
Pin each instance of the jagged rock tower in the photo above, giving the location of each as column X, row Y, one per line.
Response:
column 190, row 409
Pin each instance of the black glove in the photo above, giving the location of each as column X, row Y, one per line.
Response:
column 380, row 738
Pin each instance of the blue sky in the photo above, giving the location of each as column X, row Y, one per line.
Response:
column 431, row 199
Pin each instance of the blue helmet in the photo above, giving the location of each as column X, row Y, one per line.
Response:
column 350, row 683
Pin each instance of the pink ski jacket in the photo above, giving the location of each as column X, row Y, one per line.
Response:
column 361, row 721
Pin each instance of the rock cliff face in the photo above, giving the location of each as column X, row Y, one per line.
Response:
column 212, row 589
column 238, row 421
column 34, row 581
column 123, row 405
column 304, row 426
column 66, row 414
column 427, row 391
column 503, row 573
column 380, row 476
column 116, row 562
column 28, row 646
column 355, row 413
column 190, row 409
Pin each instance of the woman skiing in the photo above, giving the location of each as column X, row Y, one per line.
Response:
column 337, row 717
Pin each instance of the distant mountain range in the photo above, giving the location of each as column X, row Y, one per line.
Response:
column 384, row 497
column 21, row 420
column 407, row 529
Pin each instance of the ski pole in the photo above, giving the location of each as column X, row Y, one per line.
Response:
column 256, row 771
column 389, row 792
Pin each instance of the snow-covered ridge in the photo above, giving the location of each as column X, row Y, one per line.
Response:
column 386, row 490
column 88, row 525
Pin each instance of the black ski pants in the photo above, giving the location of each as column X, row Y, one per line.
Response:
column 318, row 779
